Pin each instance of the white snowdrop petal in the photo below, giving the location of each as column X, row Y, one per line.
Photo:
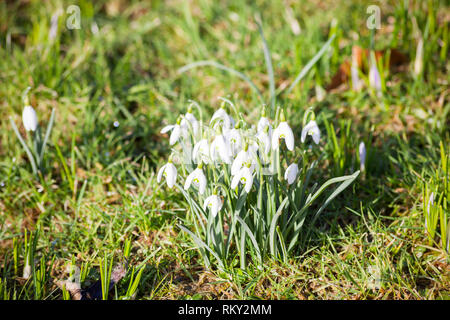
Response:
column 283, row 131
column 262, row 124
column 176, row 133
column 220, row 149
column 228, row 122
column 214, row 207
column 171, row 175
column 291, row 173
column 207, row 202
column 29, row 118
column 275, row 137
column 311, row 129
column 288, row 136
column 237, row 163
column 201, row 183
column 264, row 140
column 191, row 118
column 235, row 181
column 189, row 179
column 247, row 174
column 167, row 128
column 316, row 137
column 234, row 141
column 214, row 203
column 160, row 173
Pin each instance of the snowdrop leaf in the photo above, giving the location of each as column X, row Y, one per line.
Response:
column 251, row 236
column 201, row 244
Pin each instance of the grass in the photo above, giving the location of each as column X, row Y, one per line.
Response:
column 114, row 89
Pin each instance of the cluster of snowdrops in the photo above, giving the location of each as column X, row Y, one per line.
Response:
column 246, row 150
column 248, row 187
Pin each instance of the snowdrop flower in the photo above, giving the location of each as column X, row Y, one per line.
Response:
column 220, row 149
column 227, row 120
column 189, row 117
column 291, row 173
column 283, row 131
column 263, row 138
column 214, row 203
column 311, row 129
column 234, row 141
column 362, row 155
column 245, row 177
column 200, row 153
column 29, row 118
column 263, row 123
column 170, row 172
column 244, row 158
column 177, row 130
column 198, row 178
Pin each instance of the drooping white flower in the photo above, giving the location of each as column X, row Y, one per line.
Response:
column 29, row 118
column 362, row 155
column 263, row 145
column 245, row 158
column 167, row 128
column 201, row 151
column 245, row 177
column 291, row 173
column 197, row 177
column 214, row 203
column 189, row 117
column 220, row 149
column 313, row 130
column 170, row 172
column 264, row 141
column 263, row 123
column 226, row 120
column 176, row 132
column 283, row 131
column 234, row 141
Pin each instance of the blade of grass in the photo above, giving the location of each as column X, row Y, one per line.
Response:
column 47, row 135
column 311, row 63
column 225, row 68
